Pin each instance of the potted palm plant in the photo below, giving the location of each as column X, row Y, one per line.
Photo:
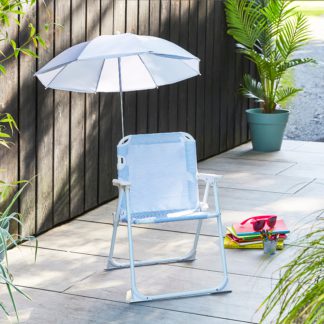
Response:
column 268, row 33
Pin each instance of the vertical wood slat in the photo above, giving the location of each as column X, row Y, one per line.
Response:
column 209, row 148
column 74, row 179
column 153, row 96
column 200, row 108
column 92, row 118
column 224, row 90
column 217, row 76
column 77, row 123
column 173, row 90
column 106, row 165
column 130, row 97
column 142, row 96
column 231, row 94
column 245, row 105
column 61, row 122
column 163, row 125
column 27, row 127
column 45, row 133
column 183, row 86
column 192, row 83
column 238, row 103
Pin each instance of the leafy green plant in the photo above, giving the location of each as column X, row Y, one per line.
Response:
column 268, row 33
column 300, row 289
column 7, row 128
column 8, row 240
column 13, row 12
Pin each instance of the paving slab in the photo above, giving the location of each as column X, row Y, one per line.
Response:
column 280, row 156
column 228, row 164
column 55, row 270
column 261, row 182
column 311, row 147
column 307, row 170
column 57, row 308
column 113, row 285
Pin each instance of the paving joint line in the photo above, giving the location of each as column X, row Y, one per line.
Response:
column 306, row 185
column 293, row 164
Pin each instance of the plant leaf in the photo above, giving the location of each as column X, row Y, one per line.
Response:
column 251, row 88
column 285, row 93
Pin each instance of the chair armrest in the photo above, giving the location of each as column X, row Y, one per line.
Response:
column 208, row 177
column 121, row 183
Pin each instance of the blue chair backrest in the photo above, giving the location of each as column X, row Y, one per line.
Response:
column 162, row 170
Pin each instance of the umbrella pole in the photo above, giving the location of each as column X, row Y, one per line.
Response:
column 121, row 97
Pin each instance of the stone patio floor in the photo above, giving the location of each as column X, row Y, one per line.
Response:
column 68, row 283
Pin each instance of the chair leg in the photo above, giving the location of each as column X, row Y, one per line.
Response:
column 111, row 264
column 191, row 256
column 221, row 236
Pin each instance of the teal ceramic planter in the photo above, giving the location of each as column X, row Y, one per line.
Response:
column 267, row 129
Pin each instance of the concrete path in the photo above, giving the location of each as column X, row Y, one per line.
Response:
column 68, row 283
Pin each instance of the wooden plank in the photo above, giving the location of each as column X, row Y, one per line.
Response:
column 238, row 99
column 244, row 132
column 209, row 149
column 106, row 166
column 224, row 82
column 142, row 96
column 173, row 88
column 45, row 133
column 92, row 119
column 77, row 119
column 164, row 91
column 61, row 123
column 231, row 93
column 183, row 86
column 9, row 104
column 217, row 76
column 27, row 127
column 192, row 83
column 130, row 97
column 201, row 82
column 153, row 98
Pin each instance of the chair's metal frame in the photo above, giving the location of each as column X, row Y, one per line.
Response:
column 134, row 295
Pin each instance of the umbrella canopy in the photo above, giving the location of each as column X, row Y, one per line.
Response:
column 117, row 63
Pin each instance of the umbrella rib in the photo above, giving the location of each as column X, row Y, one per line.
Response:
column 100, row 74
column 148, row 71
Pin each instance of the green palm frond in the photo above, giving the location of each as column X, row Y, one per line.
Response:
column 276, row 12
column 293, row 35
column 284, row 93
column 251, row 88
column 284, row 66
column 244, row 21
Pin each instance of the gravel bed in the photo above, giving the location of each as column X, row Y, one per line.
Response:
column 306, row 120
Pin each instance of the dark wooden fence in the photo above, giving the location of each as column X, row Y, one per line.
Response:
column 68, row 140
